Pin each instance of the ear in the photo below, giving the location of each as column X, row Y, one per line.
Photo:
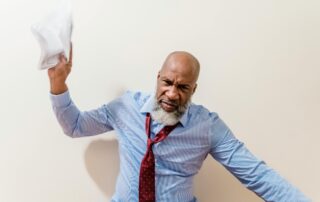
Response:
column 194, row 89
column 158, row 75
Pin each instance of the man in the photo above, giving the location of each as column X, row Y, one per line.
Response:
column 164, row 138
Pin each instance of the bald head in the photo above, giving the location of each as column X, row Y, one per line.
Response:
column 183, row 62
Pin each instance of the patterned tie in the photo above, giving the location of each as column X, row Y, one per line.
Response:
column 147, row 169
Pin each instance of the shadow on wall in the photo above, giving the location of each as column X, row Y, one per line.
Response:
column 212, row 184
column 102, row 163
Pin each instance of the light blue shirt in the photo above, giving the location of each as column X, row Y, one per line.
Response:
column 179, row 157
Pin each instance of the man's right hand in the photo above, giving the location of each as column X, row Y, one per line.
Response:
column 59, row 73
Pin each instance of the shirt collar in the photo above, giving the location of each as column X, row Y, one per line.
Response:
column 148, row 105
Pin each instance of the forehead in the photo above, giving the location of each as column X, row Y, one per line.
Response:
column 179, row 68
column 176, row 76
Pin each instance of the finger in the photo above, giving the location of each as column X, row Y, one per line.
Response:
column 62, row 58
column 51, row 69
column 70, row 54
column 68, row 66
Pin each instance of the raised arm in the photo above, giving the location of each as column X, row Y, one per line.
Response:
column 74, row 122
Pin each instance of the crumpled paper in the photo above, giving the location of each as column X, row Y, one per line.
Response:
column 54, row 35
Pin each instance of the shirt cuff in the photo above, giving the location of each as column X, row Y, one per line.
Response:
column 60, row 100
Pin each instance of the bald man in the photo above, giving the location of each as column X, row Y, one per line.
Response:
column 164, row 137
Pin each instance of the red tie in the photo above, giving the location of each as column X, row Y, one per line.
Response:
column 147, row 169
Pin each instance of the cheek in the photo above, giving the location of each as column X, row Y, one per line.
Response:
column 158, row 88
column 160, row 91
column 185, row 98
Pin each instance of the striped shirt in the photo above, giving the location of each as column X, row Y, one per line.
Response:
column 179, row 157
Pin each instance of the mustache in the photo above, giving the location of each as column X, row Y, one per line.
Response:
column 169, row 102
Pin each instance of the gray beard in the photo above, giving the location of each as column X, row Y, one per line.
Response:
column 167, row 118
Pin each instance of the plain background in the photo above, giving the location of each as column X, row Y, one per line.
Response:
column 260, row 72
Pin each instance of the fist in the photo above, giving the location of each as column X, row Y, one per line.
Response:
column 59, row 74
column 61, row 71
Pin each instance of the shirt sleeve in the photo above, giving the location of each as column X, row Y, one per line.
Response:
column 251, row 171
column 76, row 123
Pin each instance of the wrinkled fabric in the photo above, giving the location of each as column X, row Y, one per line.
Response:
column 54, row 35
column 179, row 157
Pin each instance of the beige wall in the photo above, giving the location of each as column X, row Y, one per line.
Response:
column 260, row 72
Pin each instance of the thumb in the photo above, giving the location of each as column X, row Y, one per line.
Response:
column 62, row 58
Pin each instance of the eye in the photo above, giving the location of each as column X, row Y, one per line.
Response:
column 184, row 87
column 167, row 82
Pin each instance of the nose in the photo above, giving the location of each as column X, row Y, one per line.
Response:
column 172, row 93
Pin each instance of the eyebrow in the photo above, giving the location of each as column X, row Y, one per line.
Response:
column 179, row 84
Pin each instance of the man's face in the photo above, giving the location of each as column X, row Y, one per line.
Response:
column 176, row 83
